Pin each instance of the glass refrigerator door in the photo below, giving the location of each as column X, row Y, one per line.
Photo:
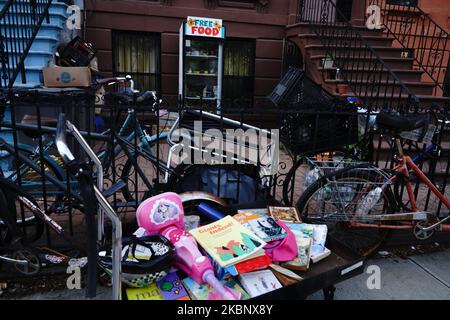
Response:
column 202, row 71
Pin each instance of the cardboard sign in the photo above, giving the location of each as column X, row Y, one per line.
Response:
column 204, row 27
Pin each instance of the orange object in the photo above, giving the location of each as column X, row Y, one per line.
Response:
column 342, row 88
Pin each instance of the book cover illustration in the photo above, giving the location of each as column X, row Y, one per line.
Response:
column 259, row 282
column 150, row 292
column 318, row 235
column 263, row 225
column 245, row 215
column 168, row 288
column 267, row 229
column 171, row 288
column 285, row 214
column 228, row 242
column 205, row 292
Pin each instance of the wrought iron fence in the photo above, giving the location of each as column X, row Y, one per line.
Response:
column 20, row 21
column 135, row 142
column 369, row 77
column 423, row 39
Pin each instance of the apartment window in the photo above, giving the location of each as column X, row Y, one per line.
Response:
column 403, row 2
column 138, row 54
column 238, row 72
column 249, row 4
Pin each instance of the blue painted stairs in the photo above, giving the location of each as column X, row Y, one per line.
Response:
column 44, row 45
column 40, row 54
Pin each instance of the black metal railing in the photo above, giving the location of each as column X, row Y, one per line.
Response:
column 352, row 58
column 20, row 21
column 421, row 36
column 303, row 131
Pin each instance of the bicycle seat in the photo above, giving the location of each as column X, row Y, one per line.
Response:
column 399, row 122
column 29, row 119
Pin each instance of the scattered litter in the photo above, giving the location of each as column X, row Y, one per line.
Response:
column 413, row 248
column 436, row 244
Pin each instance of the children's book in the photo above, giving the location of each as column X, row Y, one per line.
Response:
column 228, row 242
column 267, row 229
column 259, row 282
column 263, row 225
column 318, row 234
column 245, row 215
column 285, row 214
column 168, row 288
column 205, row 292
column 172, row 288
column 150, row 292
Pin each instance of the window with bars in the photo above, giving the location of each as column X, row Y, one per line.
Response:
column 138, row 54
column 238, row 71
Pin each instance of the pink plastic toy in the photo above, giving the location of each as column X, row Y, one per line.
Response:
column 164, row 214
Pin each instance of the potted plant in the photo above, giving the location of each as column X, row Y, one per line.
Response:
column 342, row 87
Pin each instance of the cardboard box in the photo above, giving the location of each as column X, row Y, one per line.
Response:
column 59, row 77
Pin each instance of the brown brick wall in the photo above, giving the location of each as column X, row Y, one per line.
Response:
column 266, row 27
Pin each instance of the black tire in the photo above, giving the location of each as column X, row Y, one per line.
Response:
column 364, row 241
column 33, row 227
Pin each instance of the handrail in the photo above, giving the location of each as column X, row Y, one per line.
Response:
column 350, row 52
column 20, row 21
column 416, row 31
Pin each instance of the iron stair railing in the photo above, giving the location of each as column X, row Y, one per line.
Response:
column 367, row 75
column 421, row 36
column 20, row 21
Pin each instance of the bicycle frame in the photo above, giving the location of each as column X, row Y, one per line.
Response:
column 62, row 186
column 406, row 163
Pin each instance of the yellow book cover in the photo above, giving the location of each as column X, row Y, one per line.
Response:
column 148, row 293
column 227, row 241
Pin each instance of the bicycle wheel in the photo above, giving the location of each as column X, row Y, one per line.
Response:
column 334, row 200
column 296, row 180
column 28, row 223
column 136, row 189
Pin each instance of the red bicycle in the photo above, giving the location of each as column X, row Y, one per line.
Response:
column 358, row 200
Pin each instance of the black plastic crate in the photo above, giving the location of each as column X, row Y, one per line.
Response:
column 303, row 132
column 78, row 53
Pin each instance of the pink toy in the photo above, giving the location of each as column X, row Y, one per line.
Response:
column 164, row 214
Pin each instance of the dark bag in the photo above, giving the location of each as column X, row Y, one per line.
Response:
column 236, row 184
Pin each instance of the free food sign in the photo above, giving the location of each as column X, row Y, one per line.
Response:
column 204, row 27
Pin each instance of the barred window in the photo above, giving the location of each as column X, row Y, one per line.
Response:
column 138, row 54
column 238, row 73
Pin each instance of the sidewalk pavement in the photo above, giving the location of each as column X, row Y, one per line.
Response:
column 421, row 277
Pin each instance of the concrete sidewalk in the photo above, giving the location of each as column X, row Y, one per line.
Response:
column 421, row 277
